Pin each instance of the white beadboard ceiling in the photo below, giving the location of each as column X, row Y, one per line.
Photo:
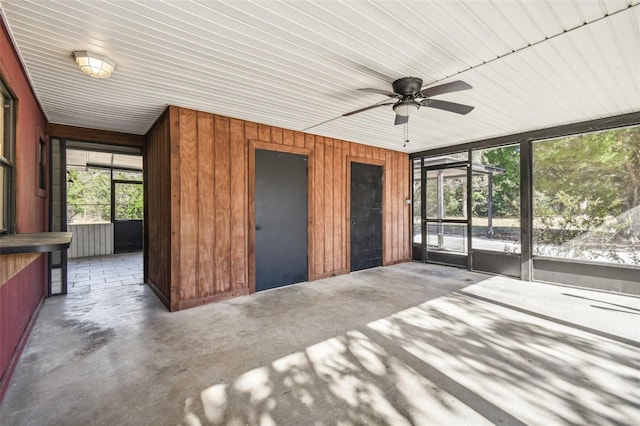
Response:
column 297, row 64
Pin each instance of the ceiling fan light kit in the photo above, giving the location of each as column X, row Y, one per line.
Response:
column 406, row 108
column 410, row 97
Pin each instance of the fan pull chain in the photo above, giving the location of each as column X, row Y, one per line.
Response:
column 406, row 134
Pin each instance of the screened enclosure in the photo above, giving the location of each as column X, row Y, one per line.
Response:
column 563, row 209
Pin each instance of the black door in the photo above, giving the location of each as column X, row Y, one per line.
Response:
column 281, row 219
column 366, row 216
column 126, row 215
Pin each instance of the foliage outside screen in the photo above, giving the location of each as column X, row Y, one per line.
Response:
column 586, row 193
column 586, row 198
column 89, row 196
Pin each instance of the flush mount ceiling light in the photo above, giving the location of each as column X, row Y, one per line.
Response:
column 94, row 64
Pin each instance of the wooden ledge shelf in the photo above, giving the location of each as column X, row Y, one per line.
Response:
column 17, row 251
column 41, row 242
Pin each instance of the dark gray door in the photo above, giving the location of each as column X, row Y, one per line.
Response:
column 126, row 215
column 281, row 219
column 366, row 216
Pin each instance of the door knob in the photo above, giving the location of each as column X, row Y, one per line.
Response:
column 258, row 227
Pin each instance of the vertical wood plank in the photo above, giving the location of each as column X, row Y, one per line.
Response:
column 299, row 139
column 276, row 135
column 346, row 227
column 409, row 227
column 250, row 130
column 309, row 143
column 362, row 150
column 264, row 133
column 328, row 204
column 318, row 192
column 174, row 248
column 405, row 206
column 287, row 137
column 222, row 175
column 188, row 204
column 396, row 207
column 401, row 207
column 338, row 202
column 250, row 133
column 388, row 209
column 375, row 154
column 368, row 151
column 354, row 149
column 206, row 206
column 238, row 206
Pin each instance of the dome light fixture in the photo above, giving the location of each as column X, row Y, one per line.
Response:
column 94, row 64
column 406, row 107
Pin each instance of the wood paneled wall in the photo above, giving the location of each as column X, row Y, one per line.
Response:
column 157, row 225
column 199, row 219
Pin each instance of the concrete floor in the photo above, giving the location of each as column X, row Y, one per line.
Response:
column 407, row 344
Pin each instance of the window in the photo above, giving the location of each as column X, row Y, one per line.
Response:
column 42, row 165
column 586, row 194
column 6, row 158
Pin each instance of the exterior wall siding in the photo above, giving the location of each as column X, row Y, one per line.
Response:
column 21, row 296
column 91, row 239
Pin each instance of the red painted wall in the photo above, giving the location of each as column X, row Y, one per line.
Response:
column 21, row 296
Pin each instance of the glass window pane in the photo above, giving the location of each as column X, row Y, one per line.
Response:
column 586, row 194
column 446, row 159
column 2, row 123
column 88, row 195
column 128, row 201
column 42, row 165
column 447, row 237
column 7, row 123
column 127, row 175
column 496, row 199
column 3, row 201
column 446, row 193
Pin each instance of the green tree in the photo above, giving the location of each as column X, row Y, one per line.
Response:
column 506, row 185
column 88, row 195
column 585, row 190
column 601, row 166
column 506, row 182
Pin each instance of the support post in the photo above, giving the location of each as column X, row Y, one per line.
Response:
column 526, row 210
column 490, row 208
column 440, row 195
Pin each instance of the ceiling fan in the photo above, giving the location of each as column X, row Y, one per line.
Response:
column 410, row 97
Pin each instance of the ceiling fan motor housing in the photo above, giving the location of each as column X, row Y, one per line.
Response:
column 407, row 86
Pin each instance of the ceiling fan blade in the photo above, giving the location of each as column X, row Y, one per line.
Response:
column 401, row 119
column 448, row 106
column 380, row 92
column 454, row 86
column 367, row 108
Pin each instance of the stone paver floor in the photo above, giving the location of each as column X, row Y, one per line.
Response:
column 104, row 272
